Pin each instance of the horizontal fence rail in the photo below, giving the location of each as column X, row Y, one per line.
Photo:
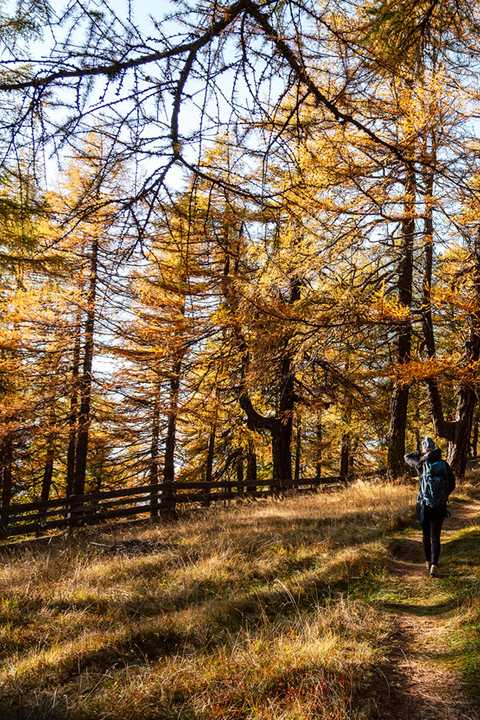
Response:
column 155, row 500
column 68, row 513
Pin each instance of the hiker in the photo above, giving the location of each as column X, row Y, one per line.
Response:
column 436, row 482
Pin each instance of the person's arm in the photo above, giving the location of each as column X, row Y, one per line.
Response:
column 413, row 460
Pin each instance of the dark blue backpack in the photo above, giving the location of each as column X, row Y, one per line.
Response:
column 434, row 484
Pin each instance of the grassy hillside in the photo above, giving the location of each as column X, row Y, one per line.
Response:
column 256, row 612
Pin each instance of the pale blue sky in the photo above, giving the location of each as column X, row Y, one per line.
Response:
column 190, row 114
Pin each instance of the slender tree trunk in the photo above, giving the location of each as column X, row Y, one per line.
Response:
column 154, row 452
column 474, row 446
column 399, row 400
column 298, row 451
column 168, row 496
column 283, row 425
column 251, row 468
column 353, row 453
column 442, row 427
column 346, row 441
column 239, row 471
column 85, row 383
column 458, row 450
column 345, row 459
column 319, row 446
column 48, row 467
column 99, row 470
column 209, row 463
column 398, row 425
column 73, row 414
column 6, row 478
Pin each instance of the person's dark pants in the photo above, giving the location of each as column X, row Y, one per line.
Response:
column 432, row 521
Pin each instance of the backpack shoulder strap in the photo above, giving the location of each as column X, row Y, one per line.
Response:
column 426, row 469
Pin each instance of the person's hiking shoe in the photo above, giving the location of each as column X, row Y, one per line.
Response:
column 434, row 571
column 427, row 565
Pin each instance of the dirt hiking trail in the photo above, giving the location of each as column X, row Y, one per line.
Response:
column 423, row 682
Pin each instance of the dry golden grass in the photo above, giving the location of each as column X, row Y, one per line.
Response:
column 255, row 612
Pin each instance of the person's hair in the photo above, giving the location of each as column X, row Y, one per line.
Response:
column 428, row 444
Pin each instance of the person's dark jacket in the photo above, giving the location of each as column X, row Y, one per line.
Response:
column 417, row 460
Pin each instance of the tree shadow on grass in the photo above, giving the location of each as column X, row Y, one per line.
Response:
column 407, row 550
column 42, row 706
column 422, row 610
column 345, row 529
column 250, row 539
column 463, row 549
column 222, row 609
column 217, row 622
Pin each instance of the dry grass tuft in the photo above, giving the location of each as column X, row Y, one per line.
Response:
column 254, row 612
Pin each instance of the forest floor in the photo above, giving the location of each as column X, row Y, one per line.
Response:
column 313, row 608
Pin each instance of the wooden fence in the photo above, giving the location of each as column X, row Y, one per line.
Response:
column 154, row 500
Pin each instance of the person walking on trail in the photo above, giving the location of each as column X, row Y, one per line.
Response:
column 436, row 482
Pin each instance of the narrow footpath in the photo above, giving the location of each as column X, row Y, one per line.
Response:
column 424, row 680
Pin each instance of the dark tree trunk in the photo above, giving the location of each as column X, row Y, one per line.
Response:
column 346, row 441
column 48, row 472
column 168, row 496
column 209, row 463
column 474, row 444
column 298, row 451
column 353, row 452
column 458, row 450
column 48, row 468
column 399, row 400
column 6, row 478
column 280, row 429
column 239, row 471
column 345, row 459
column 154, row 453
column 279, row 426
column 283, row 425
column 251, row 468
column 319, row 444
column 398, row 425
column 442, row 427
column 282, row 457
column 73, row 413
column 280, row 432
column 99, row 470
column 85, row 383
